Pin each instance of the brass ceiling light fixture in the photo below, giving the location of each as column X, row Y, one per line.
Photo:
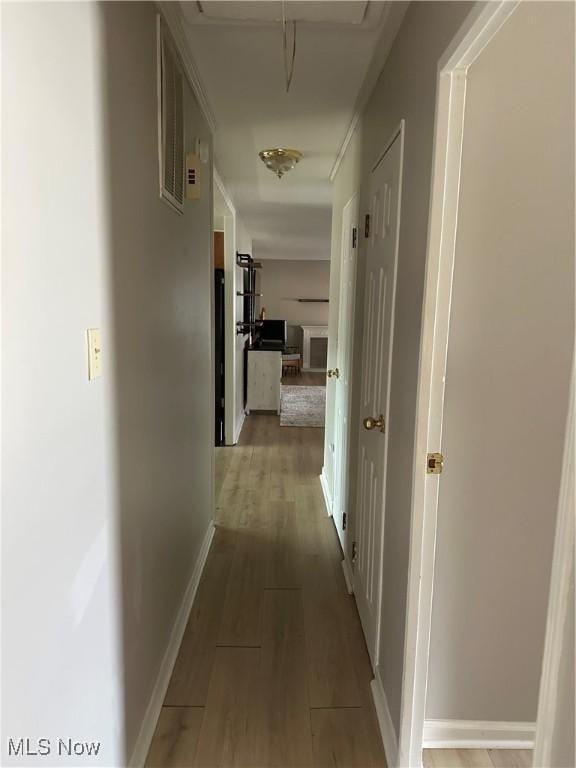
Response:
column 280, row 161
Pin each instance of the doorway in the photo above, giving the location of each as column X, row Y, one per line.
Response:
column 343, row 372
column 493, row 388
column 382, row 235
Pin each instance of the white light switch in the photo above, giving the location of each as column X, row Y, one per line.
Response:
column 94, row 354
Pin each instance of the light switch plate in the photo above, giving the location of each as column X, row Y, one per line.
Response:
column 94, row 354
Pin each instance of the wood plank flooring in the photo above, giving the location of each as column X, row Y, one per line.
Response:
column 305, row 379
column 273, row 671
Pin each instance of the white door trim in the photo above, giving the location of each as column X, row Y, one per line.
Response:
column 474, row 35
column 349, row 220
column 559, row 600
column 230, row 288
column 373, row 644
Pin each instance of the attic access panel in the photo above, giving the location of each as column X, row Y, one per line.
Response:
column 341, row 12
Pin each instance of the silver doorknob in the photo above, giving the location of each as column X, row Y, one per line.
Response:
column 372, row 423
column 333, row 373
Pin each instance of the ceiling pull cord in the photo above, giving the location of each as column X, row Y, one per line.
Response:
column 288, row 66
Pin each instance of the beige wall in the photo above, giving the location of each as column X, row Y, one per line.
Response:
column 284, row 281
column 406, row 89
column 507, row 378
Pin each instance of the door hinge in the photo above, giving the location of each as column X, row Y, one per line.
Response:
column 434, row 463
column 354, row 550
column 344, row 521
column 222, row 402
column 354, row 237
column 367, row 225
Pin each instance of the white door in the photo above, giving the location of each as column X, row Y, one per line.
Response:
column 343, row 363
column 380, row 290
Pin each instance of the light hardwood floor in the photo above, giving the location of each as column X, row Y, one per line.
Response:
column 306, row 379
column 273, row 671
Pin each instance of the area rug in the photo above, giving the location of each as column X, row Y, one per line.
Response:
column 302, row 406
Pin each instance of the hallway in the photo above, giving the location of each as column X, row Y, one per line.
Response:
column 273, row 669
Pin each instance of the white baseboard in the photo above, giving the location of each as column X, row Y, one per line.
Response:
column 348, row 575
column 239, row 426
column 389, row 738
column 478, row 734
column 326, row 492
column 142, row 746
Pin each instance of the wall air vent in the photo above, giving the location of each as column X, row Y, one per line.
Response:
column 170, row 121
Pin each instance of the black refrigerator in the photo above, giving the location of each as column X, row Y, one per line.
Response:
column 219, row 358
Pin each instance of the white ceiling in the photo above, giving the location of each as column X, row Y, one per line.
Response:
column 238, row 51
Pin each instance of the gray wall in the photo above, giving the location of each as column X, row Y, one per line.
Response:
column 406, row 89
column 106, row 493
column 61, row 637
column 508, row 370
column 162, row 288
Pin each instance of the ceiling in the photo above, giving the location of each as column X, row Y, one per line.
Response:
column 238, row 50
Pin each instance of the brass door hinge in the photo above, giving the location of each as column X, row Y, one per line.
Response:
column 344, row 521
column 354, row 237
column 434, row 463
column 354, row 548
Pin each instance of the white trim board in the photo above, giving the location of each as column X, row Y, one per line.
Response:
column 387, row 730
column 146, row 733
column 326, row 492
column 477, row 734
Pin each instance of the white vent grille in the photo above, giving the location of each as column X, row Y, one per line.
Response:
column 170, row 121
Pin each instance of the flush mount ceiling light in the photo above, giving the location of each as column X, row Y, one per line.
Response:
column 279, row 161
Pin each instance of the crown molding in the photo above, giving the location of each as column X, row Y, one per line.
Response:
column 172, row 15
column 392, row 19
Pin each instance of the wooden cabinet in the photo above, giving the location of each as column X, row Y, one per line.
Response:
column 264, row 380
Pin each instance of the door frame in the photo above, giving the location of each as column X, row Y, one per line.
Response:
column 559, row 601
column 350, row 216
column 230, row 288
column 479, row 28
column 399, row 133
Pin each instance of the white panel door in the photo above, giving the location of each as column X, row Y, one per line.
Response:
column 381, row 268
column 343, row 363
